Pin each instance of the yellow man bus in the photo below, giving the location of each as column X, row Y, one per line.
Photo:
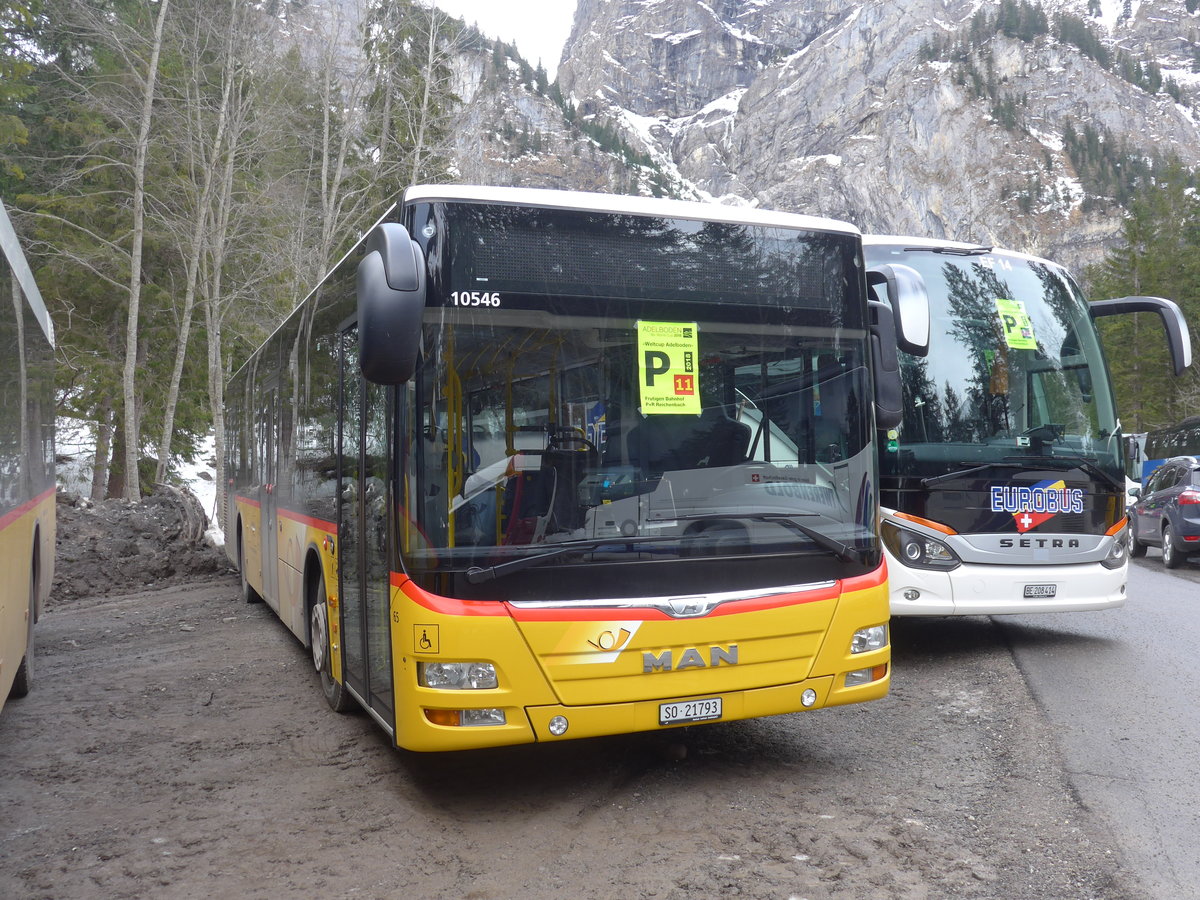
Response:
column 536, row 465
column 26, row 462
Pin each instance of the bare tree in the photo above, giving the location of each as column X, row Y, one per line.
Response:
column 141, row 148
column 205, row 138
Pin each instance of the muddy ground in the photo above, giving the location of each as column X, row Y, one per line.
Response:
column 118, row 545
column 176, row 745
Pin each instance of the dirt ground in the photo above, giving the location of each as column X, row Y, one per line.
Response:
column 176, row 745
column 118, row 545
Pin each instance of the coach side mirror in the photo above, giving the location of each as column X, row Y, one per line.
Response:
column 885, row 368
column 391, row 301
column 909, row 299
column 1178, row 339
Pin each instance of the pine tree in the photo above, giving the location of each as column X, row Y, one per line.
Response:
column 1159, row 258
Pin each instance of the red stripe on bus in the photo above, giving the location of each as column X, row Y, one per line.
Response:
column 14, row 514
column 320, row 524
column 292, row 514
column 451, row 607
column 446, row 606
column 875, row 579
column 648, row 613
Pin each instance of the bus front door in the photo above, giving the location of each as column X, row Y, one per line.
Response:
column 363, row 569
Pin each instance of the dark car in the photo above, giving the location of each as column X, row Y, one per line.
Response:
column 1167, row 513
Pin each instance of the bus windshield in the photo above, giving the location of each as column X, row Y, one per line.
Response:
column 1014, row 376
column 563, row 420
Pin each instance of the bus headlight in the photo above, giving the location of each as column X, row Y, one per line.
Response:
column 867, row 639
column 457, row 676
column 918, row 550
column 1118, row 552
column 466, row 718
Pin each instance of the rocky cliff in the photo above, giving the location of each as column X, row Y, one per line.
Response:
column 1001, row 122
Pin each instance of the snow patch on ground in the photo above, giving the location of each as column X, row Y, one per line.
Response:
column 75, row 449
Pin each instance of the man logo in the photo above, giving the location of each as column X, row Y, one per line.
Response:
column 690, row 658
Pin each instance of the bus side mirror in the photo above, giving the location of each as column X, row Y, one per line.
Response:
column 885, row 369
column 1177, row 331
column 910, row 305
column 391, row 301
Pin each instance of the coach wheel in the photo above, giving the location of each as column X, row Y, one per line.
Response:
column 24, row 677
column 1172, row 558
column 336, row 695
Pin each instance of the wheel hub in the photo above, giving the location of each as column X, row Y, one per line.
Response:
column 320, row 637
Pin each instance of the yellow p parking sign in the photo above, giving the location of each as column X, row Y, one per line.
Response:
column 668, row 371
column 1018, row 327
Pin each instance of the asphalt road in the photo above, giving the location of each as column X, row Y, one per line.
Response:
column 1119, row 689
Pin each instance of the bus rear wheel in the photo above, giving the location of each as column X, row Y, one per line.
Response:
column 249, row 594
column 23, row 680
column 335, row 692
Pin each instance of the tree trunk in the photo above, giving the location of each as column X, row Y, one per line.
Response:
column 423, row 113
column 104, row 436
column 116, row 470
column 133, row 487
column 200, row 219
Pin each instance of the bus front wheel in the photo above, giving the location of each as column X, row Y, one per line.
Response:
column 336, row 695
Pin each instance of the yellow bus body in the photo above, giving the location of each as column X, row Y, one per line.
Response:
column 600, row 669
column 590, row 666
column 299, row 538
column 17, row 549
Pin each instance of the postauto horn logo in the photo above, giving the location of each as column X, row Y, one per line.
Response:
column 1033, row 505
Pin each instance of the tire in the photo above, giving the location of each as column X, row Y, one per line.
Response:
column 1172, row 558
column 1136, row 548
column 249, row 594
column 335, row 692
column 23, row 680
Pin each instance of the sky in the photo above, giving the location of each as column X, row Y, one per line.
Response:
column 539, row 28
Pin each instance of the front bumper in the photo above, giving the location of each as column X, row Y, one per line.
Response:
column 973, row 589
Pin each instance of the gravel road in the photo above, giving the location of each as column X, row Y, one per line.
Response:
column 176, row 745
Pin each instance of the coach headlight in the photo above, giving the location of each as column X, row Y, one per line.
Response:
column 1118, row 552
column 457, row 676
column 918, row 550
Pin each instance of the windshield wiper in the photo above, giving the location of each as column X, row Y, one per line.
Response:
column 1017, row 462
column 1072, row 462
column 951, row 251
column 844, row 552
column 479, row 574
column 961, row 473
